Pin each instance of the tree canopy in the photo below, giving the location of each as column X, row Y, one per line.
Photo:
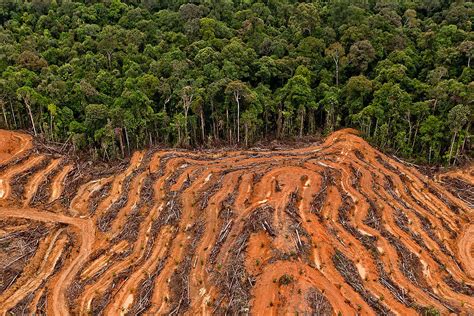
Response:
column 114, row 76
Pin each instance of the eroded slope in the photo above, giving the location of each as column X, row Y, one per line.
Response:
column 332, row 228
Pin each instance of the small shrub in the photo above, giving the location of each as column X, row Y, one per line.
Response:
column 431, row 311
column 285, row 279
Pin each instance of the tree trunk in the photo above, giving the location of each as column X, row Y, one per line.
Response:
column 237, row 100
column 452, row 146
column 30, row 113
column 466, row 137
column 155, row 130
column 410, row 127
column 246, row 135
column 429, row 156
column 186, row 125
column 5, row 115
column 40, row 121
column 336, row 61
column 106, row 155
column 279, row 124
column 213, row 120
column 456, row 156
column 195, row 130
column 301, row 123
column 165, row 103
column 122, row 149
column 179, row 135
column 414, row 137
column 13, row 114
column 227, row 123
column 376, row 127
column 150, row 144
column 311, row 122
column 51, row 127
column 202, row 126
column 265, row 116
column 128, row 141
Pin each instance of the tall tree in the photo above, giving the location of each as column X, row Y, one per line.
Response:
column 298, row 96
column 29, row 96
column 458, row 117
column 239, row 91
column 187, row 97
column 336, row 52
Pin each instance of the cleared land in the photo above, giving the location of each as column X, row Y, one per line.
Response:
column 337, row 227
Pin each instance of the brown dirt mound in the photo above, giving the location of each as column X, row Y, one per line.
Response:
column 328, row 229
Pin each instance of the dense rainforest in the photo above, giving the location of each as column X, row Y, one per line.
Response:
column 112, row 76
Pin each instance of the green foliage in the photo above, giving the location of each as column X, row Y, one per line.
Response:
column 431, row 311
column 285, row 279
column 114, row 76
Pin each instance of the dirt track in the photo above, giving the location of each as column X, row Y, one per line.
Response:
column 337, row 227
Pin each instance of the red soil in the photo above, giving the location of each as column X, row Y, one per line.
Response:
column 13, row 144
column 337, row 227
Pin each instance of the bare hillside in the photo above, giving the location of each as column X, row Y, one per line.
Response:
column 333, row 228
